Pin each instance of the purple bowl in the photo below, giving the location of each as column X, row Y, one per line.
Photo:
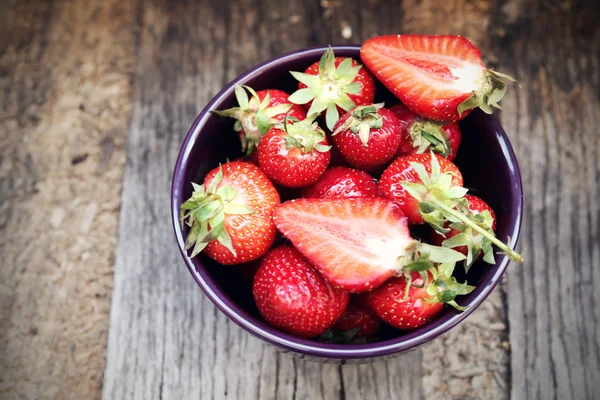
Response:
column 486, row 159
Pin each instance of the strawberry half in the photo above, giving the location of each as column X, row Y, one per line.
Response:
column 334, row 85
column 292, row 296
column 230, row 214
column 356, row 243
column 440, row 77
column 255, row 115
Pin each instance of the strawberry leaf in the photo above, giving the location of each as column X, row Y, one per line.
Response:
column 302, row 96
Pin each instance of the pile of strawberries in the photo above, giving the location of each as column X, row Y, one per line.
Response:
column 356, row 176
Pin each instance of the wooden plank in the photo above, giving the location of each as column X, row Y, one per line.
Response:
column 553, row 48
column 64, row 110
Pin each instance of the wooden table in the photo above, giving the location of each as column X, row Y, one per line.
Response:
column 537, row 337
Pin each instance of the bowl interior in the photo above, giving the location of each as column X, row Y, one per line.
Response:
column 485, row 158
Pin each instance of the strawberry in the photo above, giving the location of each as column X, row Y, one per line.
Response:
column 420, row 135
column 255, row 116
column 295, row 154
column 360, row 318
column 292, row 296
column 440, row 77
column 429, row 189
column 466, row 240
column 410, row 301
column 368, row 136
column 230, row 214
column 355, row 243
column 342, row 182
column 334, row 85
column 436, row 175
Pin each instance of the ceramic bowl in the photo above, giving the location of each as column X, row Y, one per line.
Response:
column 486, row 159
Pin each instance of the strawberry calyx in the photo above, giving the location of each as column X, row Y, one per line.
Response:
column 329, row 89
column 305, row 135
column 476, row 243
column 444, row 287
column 440, row 202
column 433, row 190
column 428, row 135
column 204, row 212
column 253, row 117
column 491, row 92
column 362, row 120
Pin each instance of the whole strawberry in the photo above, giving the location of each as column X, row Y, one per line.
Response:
column 465, row 239
column 368, row 137
column 294, row 154
column 410, row 301
column 334, row 85
column 440, row 77
column 230, row 215
column 435, row 176
column 342, row 182
column 360, row 318
column 292, row 296
column 421, row 135
column 429, row 189
column 255, row 115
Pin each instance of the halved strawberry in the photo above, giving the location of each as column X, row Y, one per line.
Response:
column 334, row 85
column 255, row 115
column 356, row 243
column 230, row 214
column 440, row 77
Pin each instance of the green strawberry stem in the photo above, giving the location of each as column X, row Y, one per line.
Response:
column 513, row 255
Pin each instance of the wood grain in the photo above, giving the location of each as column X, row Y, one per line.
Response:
column 64, row 110
column 554, row 48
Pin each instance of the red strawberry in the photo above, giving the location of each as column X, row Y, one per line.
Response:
column 420, row 135
column 439, row 77
column 356, row 243
column 256, row 115
column 292, row 296
column 342, row 182
column 391, row 303
column 358, row 317
column 368, row 136
column 428, row 188
column 230, row 214
column 294, row 155
column 442, row 178
column 467, row 241
column 334, row 85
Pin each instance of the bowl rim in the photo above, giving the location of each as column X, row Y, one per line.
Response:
column 273, row 336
